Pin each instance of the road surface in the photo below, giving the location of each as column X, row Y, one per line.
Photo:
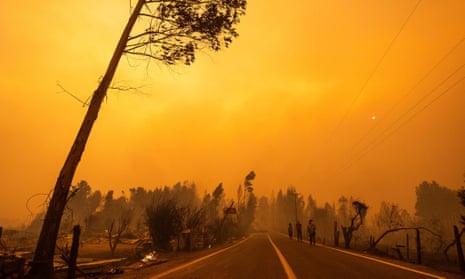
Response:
column 272, row 255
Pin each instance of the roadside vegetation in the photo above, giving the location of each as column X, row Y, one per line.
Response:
column 176, row 218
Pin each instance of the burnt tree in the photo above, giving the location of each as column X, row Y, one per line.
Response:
column 175, row 30
column 355, row 223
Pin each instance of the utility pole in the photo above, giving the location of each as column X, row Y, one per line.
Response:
column 295, row 205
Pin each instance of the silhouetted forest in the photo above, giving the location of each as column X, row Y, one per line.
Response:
column 162, row 214
column 178, row 217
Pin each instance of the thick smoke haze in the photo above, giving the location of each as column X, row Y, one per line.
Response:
column 293, row 99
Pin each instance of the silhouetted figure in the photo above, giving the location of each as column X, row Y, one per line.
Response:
column 311, row 230
column 298, row 228
column 289, row 230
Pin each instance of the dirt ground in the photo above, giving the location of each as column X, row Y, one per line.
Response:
column 128, row 264
column 170, row 260
column 102, row 251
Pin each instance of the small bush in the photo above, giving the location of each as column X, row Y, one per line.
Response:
column 164, row 220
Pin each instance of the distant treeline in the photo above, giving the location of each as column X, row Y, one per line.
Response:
column 155, row 212
column 437, row 208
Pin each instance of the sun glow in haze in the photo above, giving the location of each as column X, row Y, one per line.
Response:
column 273, row 102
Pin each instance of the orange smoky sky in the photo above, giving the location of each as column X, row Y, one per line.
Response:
column 293, row 99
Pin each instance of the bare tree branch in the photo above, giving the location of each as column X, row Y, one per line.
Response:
column 125, row 88
column 452, row 244
column 44, row 204
column 143, row 54
column 168, row 34
column 63, row 90
column 157, row 18
column 373, row 245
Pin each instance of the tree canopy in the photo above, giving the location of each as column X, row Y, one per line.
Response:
column 435, row 201
column 171, row 31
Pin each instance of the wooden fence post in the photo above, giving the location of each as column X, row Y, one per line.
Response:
column 2, row 245
column 418, row 247
column 407, row 245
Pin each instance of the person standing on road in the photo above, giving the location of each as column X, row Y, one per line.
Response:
column 311, row 230
column 298, row 228
column 289, row 230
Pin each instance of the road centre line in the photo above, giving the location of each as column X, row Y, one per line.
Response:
column 196, row 260
column 287, row 268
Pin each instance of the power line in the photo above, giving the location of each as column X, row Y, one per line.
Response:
column 381, row 139
column 451, row 50
column 370, row 76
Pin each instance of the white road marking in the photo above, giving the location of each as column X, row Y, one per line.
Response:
column 289, row 272
column 377, row 260
column 196, row 261
column 386, row 263
column 287, row 268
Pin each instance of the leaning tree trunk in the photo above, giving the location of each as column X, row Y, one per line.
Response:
column 42, row 264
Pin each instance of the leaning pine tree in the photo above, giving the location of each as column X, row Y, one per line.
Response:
column 174, row 30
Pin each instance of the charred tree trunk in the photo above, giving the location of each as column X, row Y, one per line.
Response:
column 42, row 264
column 347, row 233
column 458, row 244
column 355, row 224
column 453, row 243
column 219, row 231
column 114, row 239
column 336, row 234
column 112, row 242
column 74, row 252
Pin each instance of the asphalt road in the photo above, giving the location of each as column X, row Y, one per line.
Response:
column 271, row 255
